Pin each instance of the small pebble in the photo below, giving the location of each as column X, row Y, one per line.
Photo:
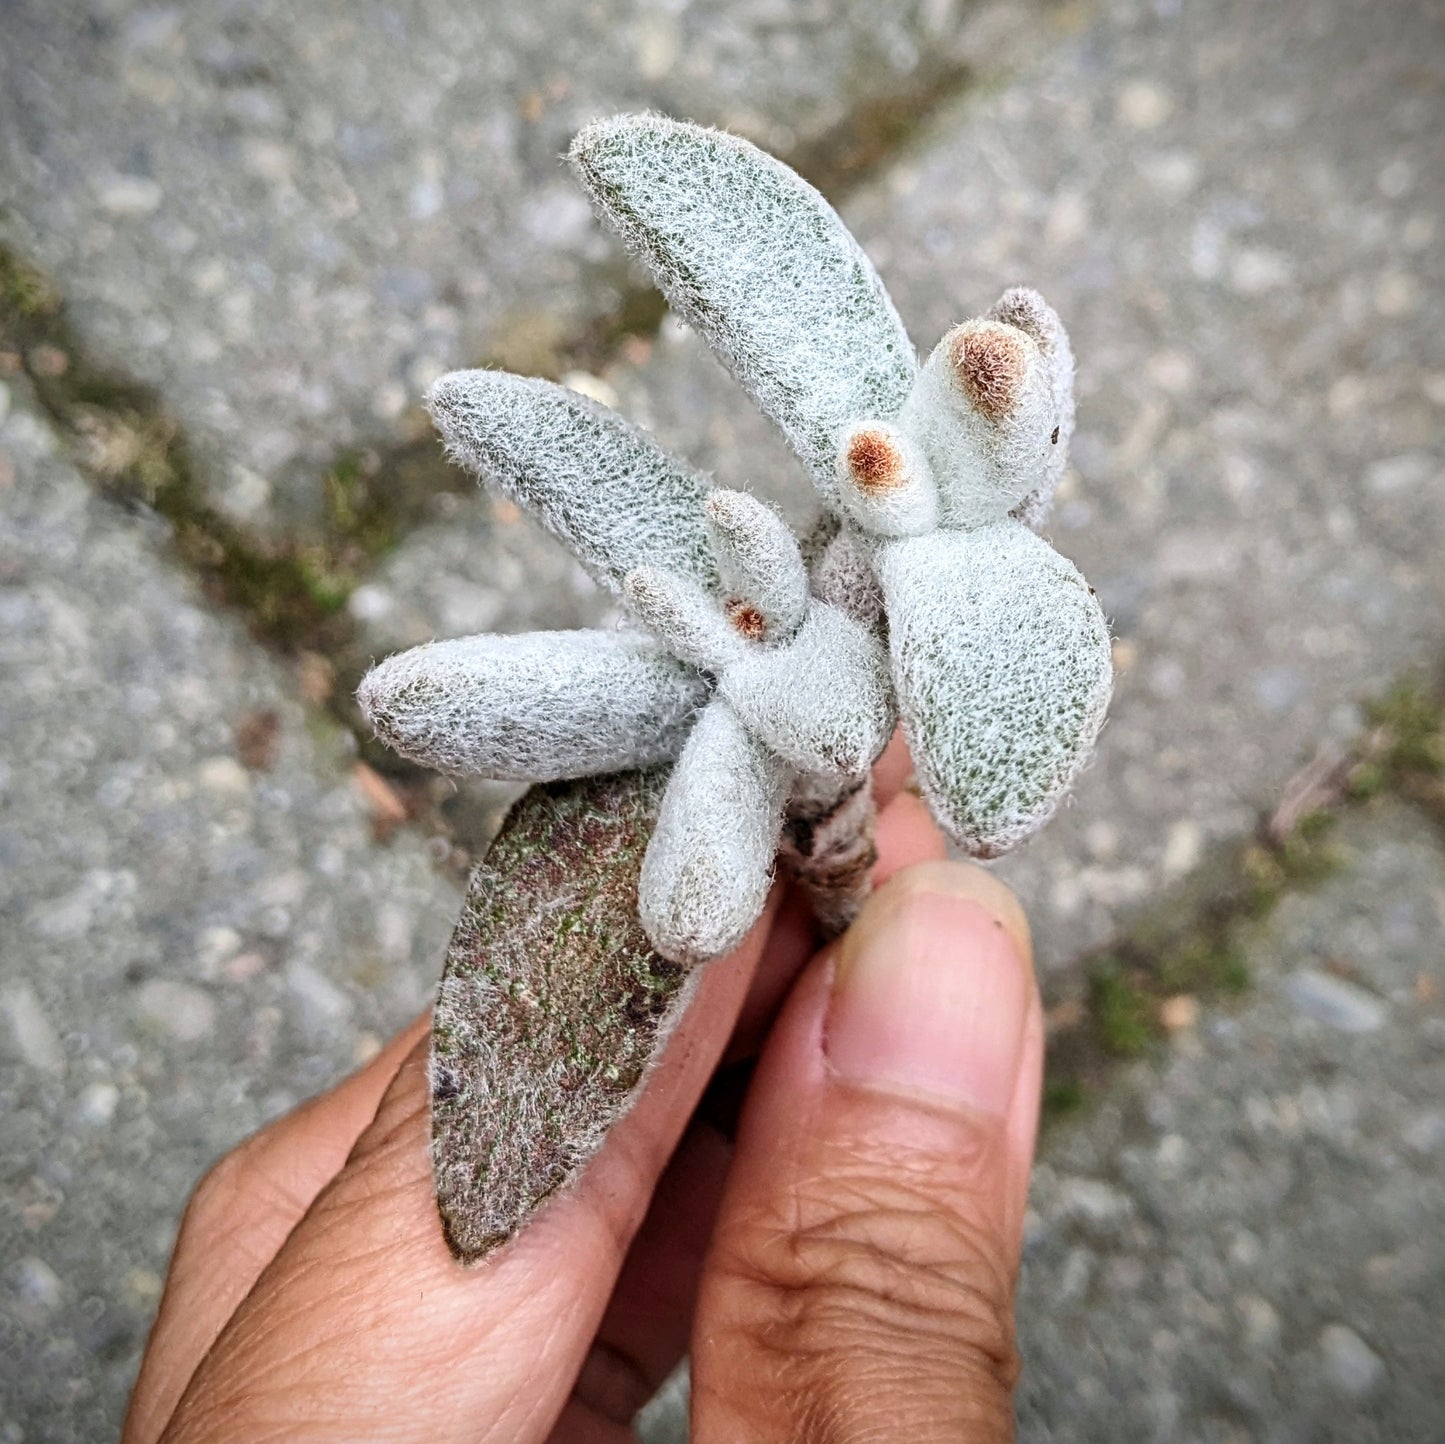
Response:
column 1260, row 1319
column 1171, row 371
column 1144, row 105
column 36, row 1284
column 1333, row 1001
column 1093, row 1200
column 1254, row 272
column 1396, row 293
column 657, row 45
column 1179, row 1013
column 1425, row 1134
column 1182, row 848
column 32, row 1033
column 370, row 603
column 366, row 1047
column 1396, row 178
column 142, row 1287
column 182, row 1010
column 1074, row 1277
column 225, row 777
column 321, row 1003
column 1350, row 1363
column 98, row 1104
column 1404, row 472
column 130, row 196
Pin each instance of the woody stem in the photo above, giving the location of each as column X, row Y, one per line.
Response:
column 828, row 844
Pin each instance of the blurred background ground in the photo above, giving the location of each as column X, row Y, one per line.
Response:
column 239, row 241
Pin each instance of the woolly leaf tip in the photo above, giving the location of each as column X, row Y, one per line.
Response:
column 688, row 620
column 1026, row 309
column 760, row 563
column 710, row 862
column 983, row 413
column 535, row 707
column 885, row 482
column 599, row 484
column 754, row 258
column 990, row 364
column 1000, row 730
column 822, row 701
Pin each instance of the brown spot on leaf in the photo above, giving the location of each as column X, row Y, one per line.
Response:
column 989, row 362
column 747, row 621
column 874, row 462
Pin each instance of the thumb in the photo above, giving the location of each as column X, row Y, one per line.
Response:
column 860, row 1283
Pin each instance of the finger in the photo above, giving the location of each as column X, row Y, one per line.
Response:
column 862, row 1269
column 893, row 770
column 364, row 1326
column 644, row 1331
column 239, row 1216
column 906, row 834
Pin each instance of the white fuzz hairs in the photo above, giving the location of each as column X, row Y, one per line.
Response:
column 764, row 675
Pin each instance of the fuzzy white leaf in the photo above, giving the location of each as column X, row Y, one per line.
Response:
column 1019, row 306
column 710, row 861
column 821, row 702
column 687, row 620
column 759, row 560
column 1002, row 667
column 536, row 707
column 843, row 577
column 983, row 412
column 753, row 258
column 885, row 482
column 595, row 481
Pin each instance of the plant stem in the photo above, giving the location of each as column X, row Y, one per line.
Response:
column 828, row 843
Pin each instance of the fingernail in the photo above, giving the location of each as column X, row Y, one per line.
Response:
column 931, row 996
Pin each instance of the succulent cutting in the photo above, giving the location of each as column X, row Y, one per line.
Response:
column 735, row 714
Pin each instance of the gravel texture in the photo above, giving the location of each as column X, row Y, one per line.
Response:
column 188, row 945
column 1242, row 1242
column 290, row 218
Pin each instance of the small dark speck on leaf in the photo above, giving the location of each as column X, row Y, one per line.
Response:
column 445, row 1086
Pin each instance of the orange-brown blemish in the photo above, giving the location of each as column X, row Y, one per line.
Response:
column 989, row 362
column 746, row 619
column 874, row 462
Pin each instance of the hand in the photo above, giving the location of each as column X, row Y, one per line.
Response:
column 843, row 1271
